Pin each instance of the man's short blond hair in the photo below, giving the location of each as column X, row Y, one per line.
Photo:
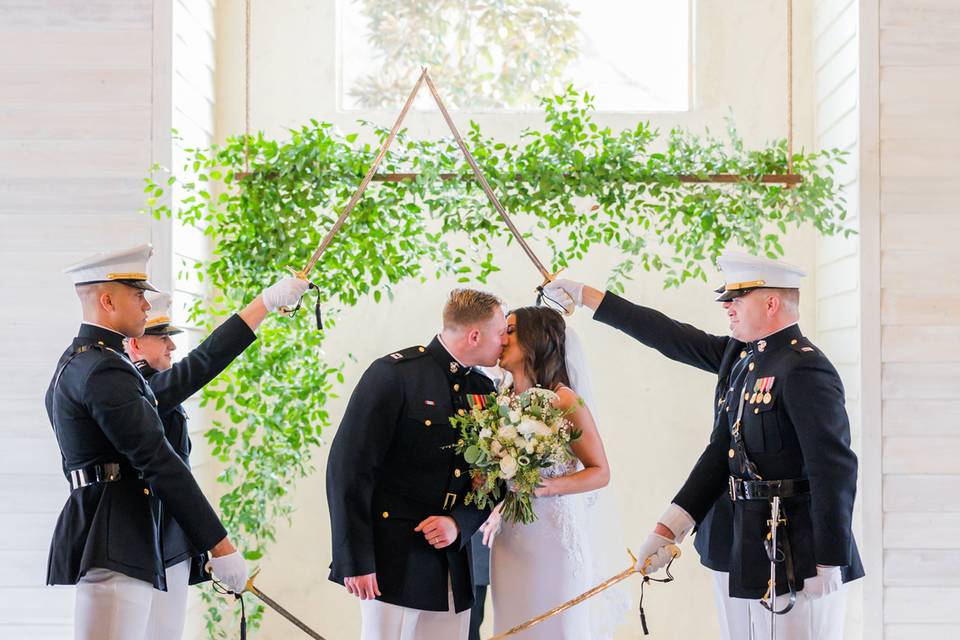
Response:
column 465, row 307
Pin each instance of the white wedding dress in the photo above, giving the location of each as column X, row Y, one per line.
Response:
column 574, row 544
column 537, row 566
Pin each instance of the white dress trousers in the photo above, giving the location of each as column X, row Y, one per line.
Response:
column 810, row 619
column 383, row 621
column 112, row 606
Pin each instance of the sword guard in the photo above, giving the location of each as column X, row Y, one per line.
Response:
column 300, row 275
column 250, row 580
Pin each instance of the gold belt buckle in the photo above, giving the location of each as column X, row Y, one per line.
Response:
column 450, row 498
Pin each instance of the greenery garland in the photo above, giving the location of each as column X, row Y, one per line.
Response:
column 572, row 185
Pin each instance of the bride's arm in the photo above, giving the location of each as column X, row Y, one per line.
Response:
column 588, row 448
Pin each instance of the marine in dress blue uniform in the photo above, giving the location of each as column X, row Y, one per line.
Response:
column 391, row 465
column 120, row 467
column 185, row 564
column 780, row 429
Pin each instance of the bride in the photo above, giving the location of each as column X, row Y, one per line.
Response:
column 571, row 546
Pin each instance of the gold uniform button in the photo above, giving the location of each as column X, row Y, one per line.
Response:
column 386, row 514
column 743, row 354
column 456, row 473
column 731, row 453
column 427, row 422
column 456, row 387
column 746, row 395
column 794, row 341
column 757, row 410
column 750, row 366
column 100, row 342
column 146, row 491
column 422, row 349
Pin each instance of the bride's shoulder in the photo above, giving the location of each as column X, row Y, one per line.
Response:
column 566, row 397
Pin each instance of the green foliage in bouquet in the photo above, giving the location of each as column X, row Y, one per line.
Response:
column 572, row 186
column 508, row 441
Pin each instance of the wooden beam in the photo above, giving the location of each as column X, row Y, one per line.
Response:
column 718, row 178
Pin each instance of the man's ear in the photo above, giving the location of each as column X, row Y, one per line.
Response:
column 473, row 337
column 774, row 304
column 106, row 300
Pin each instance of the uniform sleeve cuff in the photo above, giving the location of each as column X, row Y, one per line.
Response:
column 677, row 520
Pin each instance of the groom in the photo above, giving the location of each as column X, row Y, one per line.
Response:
column 395, row 487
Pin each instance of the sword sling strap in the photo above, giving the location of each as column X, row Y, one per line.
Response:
column 53, row 402
column 748, row 468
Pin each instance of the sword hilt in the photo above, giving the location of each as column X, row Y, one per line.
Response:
column 547, row 279
column 300, row 275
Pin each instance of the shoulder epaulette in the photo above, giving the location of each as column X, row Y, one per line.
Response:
column 410, row 353
column 803, row 345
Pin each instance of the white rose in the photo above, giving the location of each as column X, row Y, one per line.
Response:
column 485, row 433
column 527, row 426
column 543, row 430
column 508, row 466
column 514, row 416
column 508, row 432
column 520, row 443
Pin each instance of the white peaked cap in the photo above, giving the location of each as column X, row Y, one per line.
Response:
column 128, row 266
column 743, row 272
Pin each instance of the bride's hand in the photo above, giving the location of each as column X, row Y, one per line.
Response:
column 492, row 525
column 545, row 488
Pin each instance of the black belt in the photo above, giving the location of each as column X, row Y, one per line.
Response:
column 740, row 489
column 94, row 474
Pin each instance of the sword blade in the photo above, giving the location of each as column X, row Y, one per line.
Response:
column 270, row 602
column 775, row 513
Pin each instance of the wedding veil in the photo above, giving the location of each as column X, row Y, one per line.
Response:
column 605, row 537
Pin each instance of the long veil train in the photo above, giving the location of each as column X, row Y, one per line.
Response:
column 605, row 536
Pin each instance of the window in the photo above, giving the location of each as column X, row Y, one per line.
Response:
column 632, row 55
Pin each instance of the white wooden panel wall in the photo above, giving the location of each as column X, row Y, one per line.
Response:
column 919, row 110
column 837, row 285
column 193, row 23
column 80, row 123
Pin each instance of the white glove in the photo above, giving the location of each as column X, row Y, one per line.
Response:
column 827, row 580
column 284, row 293
column 655, row 553
column 567, row 293
column 677, row 520
column 231, row 570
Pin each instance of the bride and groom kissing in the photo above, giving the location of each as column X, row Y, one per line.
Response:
column 401, row 532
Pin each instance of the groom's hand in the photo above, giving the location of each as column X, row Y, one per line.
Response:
column 364, row 587
column 439, row 531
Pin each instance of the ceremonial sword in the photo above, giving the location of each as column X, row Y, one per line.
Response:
column 603, row 586
column 270, row 602
column 424, row 77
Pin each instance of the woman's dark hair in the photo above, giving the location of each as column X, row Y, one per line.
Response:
column 542, row 338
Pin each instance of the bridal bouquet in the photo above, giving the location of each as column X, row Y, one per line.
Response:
column 511, row 438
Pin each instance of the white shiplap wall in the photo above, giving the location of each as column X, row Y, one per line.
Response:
column 193, row 95
column 918, row 45
column 83, row 113
column 837, row 293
